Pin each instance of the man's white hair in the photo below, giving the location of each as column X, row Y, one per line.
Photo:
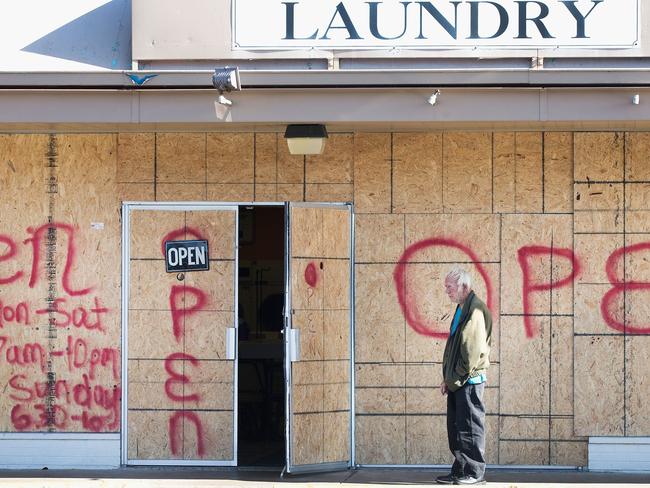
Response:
column 461, row 276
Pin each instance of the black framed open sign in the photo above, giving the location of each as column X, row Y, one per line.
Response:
column 186, row 256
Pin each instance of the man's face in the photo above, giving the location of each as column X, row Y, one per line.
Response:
column 454, row 292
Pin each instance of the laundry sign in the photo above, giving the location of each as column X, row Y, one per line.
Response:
column 434, row 24
column 186, row 256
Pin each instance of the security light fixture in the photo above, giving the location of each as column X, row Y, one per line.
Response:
column 225, row 80
column 636, row 99
column 433, row 99
column 306, row 138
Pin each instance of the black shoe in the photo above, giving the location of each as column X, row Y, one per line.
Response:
column 448, row 479
column 469, row 480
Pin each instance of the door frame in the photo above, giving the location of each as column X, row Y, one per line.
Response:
column 322, row 467
column 126, row 208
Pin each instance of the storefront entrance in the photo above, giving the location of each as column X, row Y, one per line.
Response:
column 246, row 362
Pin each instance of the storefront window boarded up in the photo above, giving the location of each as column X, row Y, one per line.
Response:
column 180, row 383
column 320, row 300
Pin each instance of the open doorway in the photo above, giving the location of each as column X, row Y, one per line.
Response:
column 261, row 390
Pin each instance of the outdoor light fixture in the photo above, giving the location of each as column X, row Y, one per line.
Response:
column 306, row 138
column 433, row 99
column 225, row 80
column 636, row 99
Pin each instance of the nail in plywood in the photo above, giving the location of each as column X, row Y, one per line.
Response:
column 417, row 173
column 181, row 192
column 636, row 156
column 135, row 161
column 372, row 172
column 335, row 165
column 518, row 353
column 598, row 207
column 598, row 367
column 230, row 158
column 503, row 155
column 637, row 384
column 637, row 205
column 599, row 156
column 426, row 440
column 265, row 158
column 467, row 162
column 528, row 174
column 379, row 238
column 180, row 158
column 558, row 171
column 380, row 439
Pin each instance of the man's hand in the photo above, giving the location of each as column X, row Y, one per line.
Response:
column 443, row 388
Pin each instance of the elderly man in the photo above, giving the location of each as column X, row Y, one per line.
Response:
column 465, row 364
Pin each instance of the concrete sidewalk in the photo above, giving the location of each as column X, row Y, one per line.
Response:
column 362, row 478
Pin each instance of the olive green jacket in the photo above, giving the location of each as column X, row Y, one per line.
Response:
column 467, row 353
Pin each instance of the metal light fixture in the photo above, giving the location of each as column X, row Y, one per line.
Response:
column 306, row 138
column 226, row 79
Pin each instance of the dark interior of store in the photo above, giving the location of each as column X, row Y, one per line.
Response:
column 261, row 399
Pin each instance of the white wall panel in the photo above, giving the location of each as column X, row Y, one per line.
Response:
column 619, row 453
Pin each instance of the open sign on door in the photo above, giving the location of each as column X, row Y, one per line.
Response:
column 186, row 256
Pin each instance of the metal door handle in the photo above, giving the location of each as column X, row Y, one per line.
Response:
column 294, row 344
column 231, row 335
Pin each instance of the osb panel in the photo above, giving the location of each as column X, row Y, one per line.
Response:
column 230, row 158
column 598, row 207
column 518, row 352
column 593, row 250
column 306, row 232
column 380, row 400
column 266, row 151
column 181, row 192
column 180, row 158
column 524, row 428
column 379, row 374
column 152, row 334
column 337, row 437
column 291, row 193
column 230, row 192
column 329, row 193
column 135, row 192
column 424, row 375
column 426, row 440
column 336, row 233
column 595, row 413
column 503, row 156
column 380, row 439
column 378, row 238
column 521, row 232
column 307, row 399
column 335, row 164
column 379, row 324
column 417, row 172
column 561, row 365
column 267, row 192
column 218, row 227
column 310, row 325
column 467, row 173
column 528, row 172
column 217, row 436
column 588, row 317
column 372, row 173
column 637, row 205
column 336, row 397
column 308, row 434
column 637, row 165
column 306, row 294
column 218, row 284
column 135, row 157
column 205, row 334
column 147, row 386
column 523, row 452
column 424, row 348
column 570, row 453
column 291, row 169
column 148, row 436
column 558, row 171
column 149, row 228
column 637, row 385
column 336, row 334
column 599, row 156
column 425, row 401
column 336, row 284
column 307, row 373
column 480, row 233
column 336, row 372
column 150, row 285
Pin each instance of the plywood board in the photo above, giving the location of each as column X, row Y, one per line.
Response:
column 561, row 355
column 291, row 192
column 599, row 156
column 230, row 192
column 425, row 401
column 307, row 287
column 426, row 440
column 524, row 452
column 336, row 231
column 230, row 157
column 218, row 227
column 558, row 172
column 135, row 192
column 336, row 397
column 267, row 192
column 336, row 445
column 309, row 428
column 336, row 371
column 637, row 208
column 593, row 250
column 266, row 152
column 291, row 169
column 307, row 232
column 588, row 316
column 467, row 172
column 307, row 399
column 598, row 207
column 149, row 436
column 329, row 193
column 205, row 337
column 136, row 154
column 524, row 427
column 336, row 334
column 417, row 173
column 529, row 187
column 335, row 165
column 598, row 367
column 637, row 385
column 181, row 192
column 503, row 156
column 149, row 229
column 216, row 431
column 574, row 453
column 372, row 172
column 637, row 167
column 378, row 238
column 336, row 284
column 310, row 324
column 180, row 158
column 380, row 439
column 379, row 374
column 380, row 400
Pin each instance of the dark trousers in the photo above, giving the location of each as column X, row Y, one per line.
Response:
column 466, row 430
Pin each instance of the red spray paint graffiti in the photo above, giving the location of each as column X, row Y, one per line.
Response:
column 179, row 378
column 529, row 286
column 180, row 311
column 408, row 302
column 11, row 253
column 311, row 275
column 176, row 430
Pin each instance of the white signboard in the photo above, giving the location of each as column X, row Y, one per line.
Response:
column 434, row 24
